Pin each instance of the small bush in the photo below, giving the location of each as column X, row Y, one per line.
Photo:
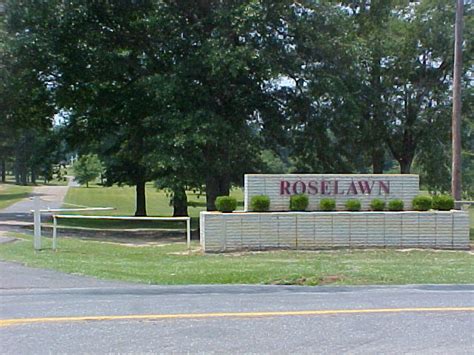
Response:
column 395, row 205
column 377, row 204
column 327, row 204
column 260, row 203
column 353, row 205
column 422, row 203
column 443, row 202
column 299, row 202
column 226, row 203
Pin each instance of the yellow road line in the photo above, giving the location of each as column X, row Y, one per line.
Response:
column 17, row 321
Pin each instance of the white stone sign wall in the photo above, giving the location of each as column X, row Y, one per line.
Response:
column 341, row 187
column 319, row 230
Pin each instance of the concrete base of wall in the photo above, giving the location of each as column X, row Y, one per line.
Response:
column 325, row 230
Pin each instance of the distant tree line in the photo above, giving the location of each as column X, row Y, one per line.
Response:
column 193, row 94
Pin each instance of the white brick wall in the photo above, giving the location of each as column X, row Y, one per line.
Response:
column 403, row 187
column 318, row 230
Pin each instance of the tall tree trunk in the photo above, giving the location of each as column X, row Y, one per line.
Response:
column 140, row 199
column 405, row 165
column 17, row 172
column 33, row 176
column 216, row 186
column 4, row 172
column 23, row 174
column 180, row 202
column 378, row 161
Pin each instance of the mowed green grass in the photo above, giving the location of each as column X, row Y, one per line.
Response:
column 171, row 264
column 123, row 200
column 9, row 194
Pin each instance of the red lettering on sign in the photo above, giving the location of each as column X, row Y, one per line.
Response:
column 384, row 186
column 295, row 187
column 312, row 188
column 352, row 189
column 336, row 188
column 325, row 187
column 284, row 187
column 365, row 188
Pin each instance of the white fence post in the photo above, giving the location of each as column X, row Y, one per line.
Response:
column 188, row 233
column 37, row 223
column 54, row 231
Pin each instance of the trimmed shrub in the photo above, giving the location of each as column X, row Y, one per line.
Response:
column 327, row 204
column 226, row 203
column 422, row 203
column 299, row 202
column 353, row 205
column 260, row 203
column 377, row 204
column 395, row 205
column 443, row 202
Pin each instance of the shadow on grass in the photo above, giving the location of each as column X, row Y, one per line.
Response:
column 13, row 196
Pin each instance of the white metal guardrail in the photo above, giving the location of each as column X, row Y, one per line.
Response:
column 186, row 219
column 37, row 211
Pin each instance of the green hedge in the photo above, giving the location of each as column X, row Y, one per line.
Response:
column 377, row 204
column 226, row 203
column 422, row 203
column 299, row 202
column 395, row 205
column 443, row 202
column 353, row 205
column 260, row 203
column 327, row 204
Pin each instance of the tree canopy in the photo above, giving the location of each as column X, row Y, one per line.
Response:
column 192, row 95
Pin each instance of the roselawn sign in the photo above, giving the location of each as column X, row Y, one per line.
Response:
column 313, row 229
column 340, row 187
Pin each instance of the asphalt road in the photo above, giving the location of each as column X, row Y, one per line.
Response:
column 38, row 309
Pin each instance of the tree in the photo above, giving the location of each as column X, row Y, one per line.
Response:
column 26, row 103
column 319, row 67
column 215, row 92
column 86, row 169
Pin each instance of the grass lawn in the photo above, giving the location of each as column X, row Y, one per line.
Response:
column 9, row 194
column 171, row 264
column 123, row 200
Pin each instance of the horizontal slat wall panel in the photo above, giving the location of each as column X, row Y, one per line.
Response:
column 410, row 230
column 341, row 229
column 233, row 232
column 358, row 230
column 323, row 230
column 444, row 229
column 214, row 232
column 461, row 230
column 427, row 230
column 287, row 230
column 305, row 237
column 269, row 232
column 375, row 229
column 393, row 229
column 251, row 232
column 315, row 230
column 364, row 187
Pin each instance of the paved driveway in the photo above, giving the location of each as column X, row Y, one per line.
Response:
column 18, row 214
column 46, row 311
